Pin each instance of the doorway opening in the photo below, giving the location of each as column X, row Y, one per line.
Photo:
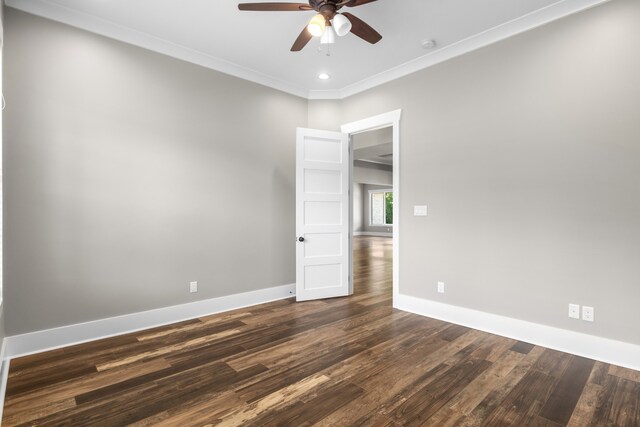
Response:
column 372, row 211
column 375, row 154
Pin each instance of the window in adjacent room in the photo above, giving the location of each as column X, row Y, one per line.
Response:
column 381, row 207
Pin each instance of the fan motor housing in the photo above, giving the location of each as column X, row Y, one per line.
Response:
column 327, row 8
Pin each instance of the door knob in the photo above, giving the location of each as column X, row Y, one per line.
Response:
column 300, row 239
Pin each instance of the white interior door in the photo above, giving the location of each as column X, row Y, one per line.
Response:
column 323, row 253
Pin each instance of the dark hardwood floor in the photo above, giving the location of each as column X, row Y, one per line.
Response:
column 342, row 362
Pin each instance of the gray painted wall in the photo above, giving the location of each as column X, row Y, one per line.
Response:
column 325, row 115
column 527, row 153
column 367, row 210
column 129, row 174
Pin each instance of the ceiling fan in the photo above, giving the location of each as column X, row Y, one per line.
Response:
column 327, row 23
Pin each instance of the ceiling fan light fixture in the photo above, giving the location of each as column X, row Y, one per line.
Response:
column 317, row 25
column 341, row 25
column 329, row 36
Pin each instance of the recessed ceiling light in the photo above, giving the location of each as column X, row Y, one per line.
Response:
column 428, row 44
column 324, row 76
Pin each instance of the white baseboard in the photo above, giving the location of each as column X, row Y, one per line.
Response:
column 3, row 349
column 372, row 233
column 49, row 339
column 4, row 375
column 598, row 348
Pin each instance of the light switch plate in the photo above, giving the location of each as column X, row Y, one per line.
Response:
column 420, row 210
column 574, row 311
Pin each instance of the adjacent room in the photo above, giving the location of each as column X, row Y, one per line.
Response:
column 332, row 213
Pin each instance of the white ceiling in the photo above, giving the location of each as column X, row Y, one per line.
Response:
column 255, row 45
column 380, row 154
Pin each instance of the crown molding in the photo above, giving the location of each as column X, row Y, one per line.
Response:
column 519, row 25
column 330, row 94
column 109, row 29
column 121, row 33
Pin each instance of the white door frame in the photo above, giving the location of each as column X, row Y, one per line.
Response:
column 391, row 118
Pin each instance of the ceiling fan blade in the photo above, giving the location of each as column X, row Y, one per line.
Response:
column 275, row 7
column 354, row 3
column 363, row 30
column 302, row 40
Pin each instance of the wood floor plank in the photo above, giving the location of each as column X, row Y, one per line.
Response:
column 562, row 402
column 478, row 389
column 345, row 347
column 205, row 407
column 307, row 413
column 599, row 373
column 189, row 332
column 37, row 411
column 586, row 406
column 284, row 352
column 373, row 366
column 423, row 404
column 136, row 403
column 272, row 402
column 59, row 356
column 625, row 408
column 46, row 401
column 553, row 363
column 522, row 347
column 201, row 341
column 514, row 410
column 604, row 402
column 410, row 369
column 500, row 349
column 352, row 361
column 270, row 383
column 495, row 398
column 29, row 383
column 201, row 411
column 623, row 373
column 452, row 332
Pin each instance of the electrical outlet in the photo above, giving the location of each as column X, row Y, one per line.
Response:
column 587, row 314
column 441, row 287
column 574, row 311
column 193, row 287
